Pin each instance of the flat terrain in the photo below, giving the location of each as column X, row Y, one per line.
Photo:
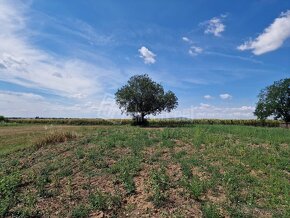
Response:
column 125, row 171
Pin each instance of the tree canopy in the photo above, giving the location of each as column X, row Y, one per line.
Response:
column 142, row 96
column 274, row 101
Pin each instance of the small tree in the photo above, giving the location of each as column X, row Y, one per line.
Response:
column 142, row 96
column 2, row 118
column 274, row 101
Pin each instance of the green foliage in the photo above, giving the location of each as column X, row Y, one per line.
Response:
column 274, row 101
column 210, row 211
column 80, row 211
column 153, row 122
column 8, row 191
column 126, row 169
column 159, row 183
column 104, row 201
column 2, row 119
column 243, row 170
column 195, row 186
column 142, row 96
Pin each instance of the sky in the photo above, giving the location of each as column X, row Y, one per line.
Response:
column 63, row 58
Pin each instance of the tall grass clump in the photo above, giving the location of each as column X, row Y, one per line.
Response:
column 54, row 138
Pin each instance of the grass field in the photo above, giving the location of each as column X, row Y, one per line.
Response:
column 125, row 171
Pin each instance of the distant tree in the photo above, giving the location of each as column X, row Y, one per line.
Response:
column 142, row 96
column 274, row 101
column 2, row 118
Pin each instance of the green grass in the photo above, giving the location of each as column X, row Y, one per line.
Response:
column 118, row 171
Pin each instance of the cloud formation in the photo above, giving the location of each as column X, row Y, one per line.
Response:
column 147, row 55
column 214, row 26
column 226, row 96
column 272, row 37
column 207, row 97
column 27, row 65
column 23, row 104
column 213, row 112
column 194, row 50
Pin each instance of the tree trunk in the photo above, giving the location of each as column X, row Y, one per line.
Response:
column 142, row 117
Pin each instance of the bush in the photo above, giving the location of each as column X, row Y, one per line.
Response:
column 2, row 119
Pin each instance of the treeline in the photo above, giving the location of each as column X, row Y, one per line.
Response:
column 152, row 122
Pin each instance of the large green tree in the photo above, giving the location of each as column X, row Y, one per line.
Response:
column 274, row 101
column 142, row 96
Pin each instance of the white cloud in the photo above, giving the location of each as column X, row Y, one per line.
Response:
column 21, row 104
column 226, row 96
column 202, row 105
column 214, row 26
column 207, row 97
column 147, row 55
column 27, row 65
column 76, row 80
column 185, row 39
column 194, row 50
column 206, row 111
column 272, row 38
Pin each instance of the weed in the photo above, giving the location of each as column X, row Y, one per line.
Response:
column 159, row 183
column 104, row 201
column 80, row 153
column 8, row 192
column 210, row 211
column 126, row 169
column 80, row 211
column 195, row 186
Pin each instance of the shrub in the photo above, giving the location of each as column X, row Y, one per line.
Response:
column 2, row 119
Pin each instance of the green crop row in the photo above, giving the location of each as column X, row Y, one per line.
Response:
column 152, row 122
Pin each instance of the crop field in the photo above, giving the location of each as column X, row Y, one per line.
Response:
column 127, row 171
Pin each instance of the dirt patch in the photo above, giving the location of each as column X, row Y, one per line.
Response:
column 183, row 146
column 139, row 200
column 174, row 172
column 197, row 171
column 266, row 146
column 217, row 196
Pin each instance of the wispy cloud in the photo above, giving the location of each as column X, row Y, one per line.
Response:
column 272, row 38
column 76, row 80
column 186, row 39
column 248, row 59
column 27, row 65
column 215, row 25
column 30, row 105
column 211, row 111
column 207, row 97
column 226, row 96
column 194, row 50
column 147, row 55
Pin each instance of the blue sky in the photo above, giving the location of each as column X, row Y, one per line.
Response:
column 61, row 58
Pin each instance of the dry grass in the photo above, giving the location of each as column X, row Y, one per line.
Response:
column 55, row 137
